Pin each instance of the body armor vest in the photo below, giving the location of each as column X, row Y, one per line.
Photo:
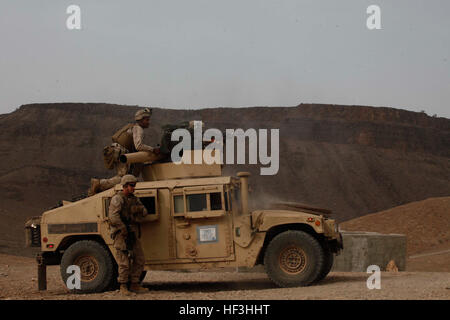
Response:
column 125, row 138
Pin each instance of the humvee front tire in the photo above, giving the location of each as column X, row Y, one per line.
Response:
column 293, row 259
column 142, row 276
column 327, row 265
column 95, row 262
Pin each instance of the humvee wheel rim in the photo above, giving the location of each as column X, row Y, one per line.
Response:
column 292, row 260
column 88, row 267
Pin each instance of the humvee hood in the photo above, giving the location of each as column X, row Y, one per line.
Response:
column 263, row 220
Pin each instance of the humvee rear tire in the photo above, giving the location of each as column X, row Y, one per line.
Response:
column 293, row 259
column 327, row 265
column 95, row 262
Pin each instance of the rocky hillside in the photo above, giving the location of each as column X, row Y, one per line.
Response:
column 351, row 159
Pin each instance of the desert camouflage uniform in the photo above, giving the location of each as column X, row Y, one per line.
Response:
column 127, row 208
column 137, row 134
column 138, row 138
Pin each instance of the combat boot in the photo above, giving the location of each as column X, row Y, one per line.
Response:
column 137, row 288
column 124, row 290
column 95, row 187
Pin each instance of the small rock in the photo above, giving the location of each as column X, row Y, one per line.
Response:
column 391, row 266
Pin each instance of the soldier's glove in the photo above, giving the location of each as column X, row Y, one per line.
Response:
column 156, row 150
column 137, row 209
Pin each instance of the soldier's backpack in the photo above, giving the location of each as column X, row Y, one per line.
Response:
column 124, row 138
column 109, row 154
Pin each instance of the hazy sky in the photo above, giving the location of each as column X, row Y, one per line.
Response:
column 227, row 53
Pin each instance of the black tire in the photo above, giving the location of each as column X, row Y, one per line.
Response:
column 114, row 284
column 95, row 262
column 327, row 265
column 142, row 277
column 293, row 259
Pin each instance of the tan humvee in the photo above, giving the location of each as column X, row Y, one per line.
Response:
column 198, row 219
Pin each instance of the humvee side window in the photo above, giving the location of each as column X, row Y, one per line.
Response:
column 196, row 202
column 149, row 203
column 216, row 201
column 197, row 199
column 178, row 204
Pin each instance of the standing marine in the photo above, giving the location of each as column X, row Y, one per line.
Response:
column 125, row 213
column 128, row 139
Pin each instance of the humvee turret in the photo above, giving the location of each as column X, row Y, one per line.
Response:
column 198, row 219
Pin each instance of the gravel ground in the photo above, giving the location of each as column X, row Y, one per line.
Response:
column 18, row 280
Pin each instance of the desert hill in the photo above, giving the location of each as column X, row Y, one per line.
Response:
column 425, row 223
column 351, row 159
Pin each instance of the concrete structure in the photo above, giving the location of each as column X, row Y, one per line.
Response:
column 362, row 249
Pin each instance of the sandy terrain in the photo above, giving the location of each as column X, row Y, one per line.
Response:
column 18, row 280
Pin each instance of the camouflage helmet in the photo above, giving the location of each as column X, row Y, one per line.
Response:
column 128, row 178
column 141, row 114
